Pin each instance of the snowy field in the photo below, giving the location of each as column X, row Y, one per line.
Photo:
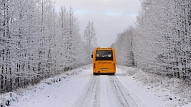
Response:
column 80, row 88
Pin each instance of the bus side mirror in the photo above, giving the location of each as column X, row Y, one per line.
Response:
column 91, row 56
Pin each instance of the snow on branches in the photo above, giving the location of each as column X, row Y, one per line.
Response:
column 36, row 42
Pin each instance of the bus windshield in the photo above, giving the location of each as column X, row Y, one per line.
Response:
column 104, row 55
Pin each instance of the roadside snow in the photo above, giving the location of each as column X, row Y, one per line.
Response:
column 78, row 88
column 21, row 97
column 170, row 92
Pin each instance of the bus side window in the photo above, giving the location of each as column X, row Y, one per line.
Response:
column 92, row 55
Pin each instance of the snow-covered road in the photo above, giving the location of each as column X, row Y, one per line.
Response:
column 83, row 89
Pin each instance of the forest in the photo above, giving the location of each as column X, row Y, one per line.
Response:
column 160, row 43
column 38, row 42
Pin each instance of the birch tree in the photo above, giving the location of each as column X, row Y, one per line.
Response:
column 90, row 39
column 161, row 38
column 162, row 31
column 36, row 42
column 124, row 47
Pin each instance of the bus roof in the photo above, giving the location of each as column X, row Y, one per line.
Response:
column 104, row 48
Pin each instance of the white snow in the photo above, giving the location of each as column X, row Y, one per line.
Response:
column 80, row 88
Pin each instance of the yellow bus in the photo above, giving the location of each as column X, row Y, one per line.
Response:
column 104, row 61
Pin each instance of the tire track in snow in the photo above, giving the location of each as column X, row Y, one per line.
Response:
column 91, row 96
column 123, row 97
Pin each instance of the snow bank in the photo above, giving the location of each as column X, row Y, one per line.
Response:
column 7, row 98
column 173, row 91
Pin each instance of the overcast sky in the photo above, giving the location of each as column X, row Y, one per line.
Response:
column 110, row 17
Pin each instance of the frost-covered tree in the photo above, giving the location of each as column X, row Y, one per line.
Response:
column 90, row 39
column 124, row 47
column 36, row 42
column 60, row 42
column 161, row 38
